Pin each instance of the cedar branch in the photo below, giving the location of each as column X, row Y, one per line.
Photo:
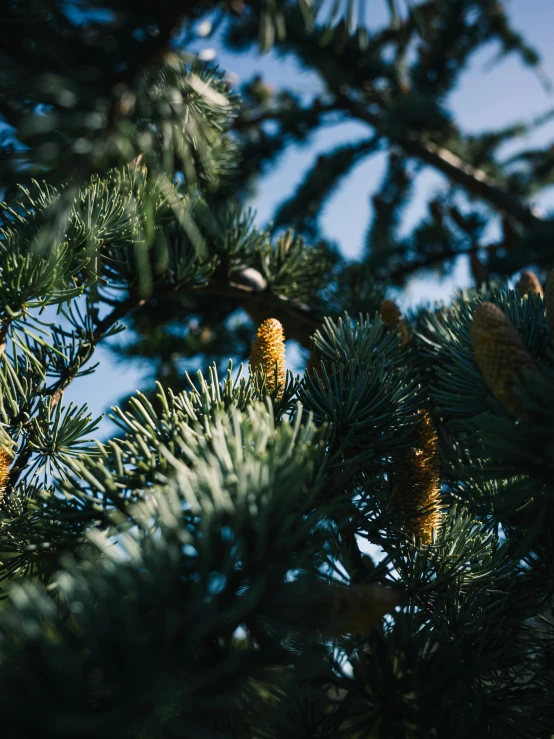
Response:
column 56, row 392
column 300, row 321
column 475, row 181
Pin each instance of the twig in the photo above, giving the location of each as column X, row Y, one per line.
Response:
column 87, row 348
column 242, row 123
column 434, row 259
column 300, row 322
column 120, row 311
column 4, row 335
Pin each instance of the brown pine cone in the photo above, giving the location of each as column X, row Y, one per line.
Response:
column 500, row 354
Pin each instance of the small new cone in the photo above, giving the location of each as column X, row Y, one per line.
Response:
column 500, row 354
column 5, row 461
column 529, row 283
column 268, row 349
column 392, row 319
column 416, row 482
column 549, row 304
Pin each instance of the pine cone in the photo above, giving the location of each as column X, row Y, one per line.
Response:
column 549, row 304
column 5, row 461
column 529, row 283
column 268, row 348
column 392, row 319
column 427, row 439
column 500, row 354
column 416, row 491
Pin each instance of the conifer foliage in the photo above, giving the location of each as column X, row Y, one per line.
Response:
column 364, row 550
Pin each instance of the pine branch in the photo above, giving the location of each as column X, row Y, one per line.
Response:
column 475, row 181
column 432, row 260
column 242, row 123
column 120, row 311
column 300, row 321
column 86, row 351
column 4, row 334
column 169, row 19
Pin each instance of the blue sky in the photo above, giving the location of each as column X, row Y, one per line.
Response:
column 483, row 100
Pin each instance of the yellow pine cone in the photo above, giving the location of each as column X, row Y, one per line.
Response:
column 5, row 461
column 500, row 354
column 549, row 304
column 392, row 319
column 267, row 349
column 416, row 488
column 427, row 439
column 528, row 283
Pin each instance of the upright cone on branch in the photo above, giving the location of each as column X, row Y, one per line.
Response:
column 392, row 319
column 5, row 461
column 500, row 354
column 416, row 482
column 268, row 351
column 528, row 283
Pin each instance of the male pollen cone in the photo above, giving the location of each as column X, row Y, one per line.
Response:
column 267, row 349
column 392, row 319
column 5, row 461
column 528, row 283
column 416, row 490
column 549, row 304
column 500, row 353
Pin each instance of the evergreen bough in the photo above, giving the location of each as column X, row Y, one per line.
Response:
column 202, row 573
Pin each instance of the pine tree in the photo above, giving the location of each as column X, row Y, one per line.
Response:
column 202, row 573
